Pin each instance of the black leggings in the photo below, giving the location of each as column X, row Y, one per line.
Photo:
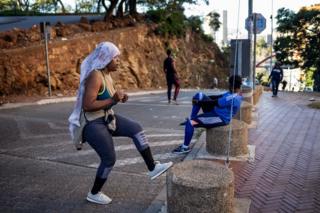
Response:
column 100, row 139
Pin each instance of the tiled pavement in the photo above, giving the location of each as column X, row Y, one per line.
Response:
column 285, row 176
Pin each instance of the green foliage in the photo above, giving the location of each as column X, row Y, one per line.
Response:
column 6, row 5
column 169, row 15
column 194, row 22
column 299, row 41
column 285, row 19
column 262, row 77
column 207, row 38
column 170, row 5
column 261, row 46
column 169, row 23
column 214, row 22
column 309, row 77
column 226, row 52
column 84, row 6
column 26, row 7
column 45, row 6
column 156, row 16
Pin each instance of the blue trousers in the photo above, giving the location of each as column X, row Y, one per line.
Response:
column 208, row 119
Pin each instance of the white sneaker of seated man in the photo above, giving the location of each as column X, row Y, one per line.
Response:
column 159, row 169
column 98, row 198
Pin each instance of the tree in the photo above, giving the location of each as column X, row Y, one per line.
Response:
column 6, row 5
column 84, row 6
column 48, row 6
column 214, row 22
column 299, row 40
column 261, row 46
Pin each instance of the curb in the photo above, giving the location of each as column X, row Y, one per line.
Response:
column 67, row 99
column 71, row 99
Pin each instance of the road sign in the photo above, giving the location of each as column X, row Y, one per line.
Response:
column 260, row 22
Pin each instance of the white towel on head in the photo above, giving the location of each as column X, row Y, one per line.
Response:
column 96, row 60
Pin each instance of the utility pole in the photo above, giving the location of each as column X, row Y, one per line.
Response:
column 47, row 60
column 45, row 29
column 254, row 50
column 271, row 36
column 250, row 40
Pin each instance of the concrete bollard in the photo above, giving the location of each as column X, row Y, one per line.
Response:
column 217, row 139
column 244, row 114
column 257, row 94
column 247, row 93
column 200, row 186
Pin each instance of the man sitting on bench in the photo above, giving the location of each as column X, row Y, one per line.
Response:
column 216, row 111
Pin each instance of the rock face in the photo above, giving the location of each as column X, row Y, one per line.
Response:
column 200, row 186
column 23, row 69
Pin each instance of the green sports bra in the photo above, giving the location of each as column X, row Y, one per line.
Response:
column 107, row 89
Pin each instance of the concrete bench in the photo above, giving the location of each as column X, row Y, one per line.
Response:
column 217, row 139
column 244, row 114
column 200, row 186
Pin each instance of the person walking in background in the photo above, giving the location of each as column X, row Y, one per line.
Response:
column 276, row 76
column 216, row 111
column 95, row 99
column 171, row 77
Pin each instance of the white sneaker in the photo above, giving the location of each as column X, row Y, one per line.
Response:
column 159, row 169
column 99, row 198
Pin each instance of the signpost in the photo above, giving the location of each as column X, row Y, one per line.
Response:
column 260, row 23
column 45, row 29
column 255, row 24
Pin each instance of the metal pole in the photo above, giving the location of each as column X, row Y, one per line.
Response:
column 47, row 58
column 271, row 36
column 290, row 79
column 254, row 49
column 250, row 39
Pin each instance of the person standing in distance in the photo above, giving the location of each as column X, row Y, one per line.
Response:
column 171, row 77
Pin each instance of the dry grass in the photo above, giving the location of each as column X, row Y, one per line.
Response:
column 315, row 105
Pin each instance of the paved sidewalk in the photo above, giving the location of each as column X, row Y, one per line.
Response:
column 285, row 176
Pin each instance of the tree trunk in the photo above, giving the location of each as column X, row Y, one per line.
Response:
column 133, row 7
column 98, row 6
column 62, row 6
column 109, row 10
column 120, row 9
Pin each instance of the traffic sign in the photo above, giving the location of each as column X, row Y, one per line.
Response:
column 260, row 23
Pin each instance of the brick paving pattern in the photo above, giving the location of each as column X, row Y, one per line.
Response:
column 285, row 176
